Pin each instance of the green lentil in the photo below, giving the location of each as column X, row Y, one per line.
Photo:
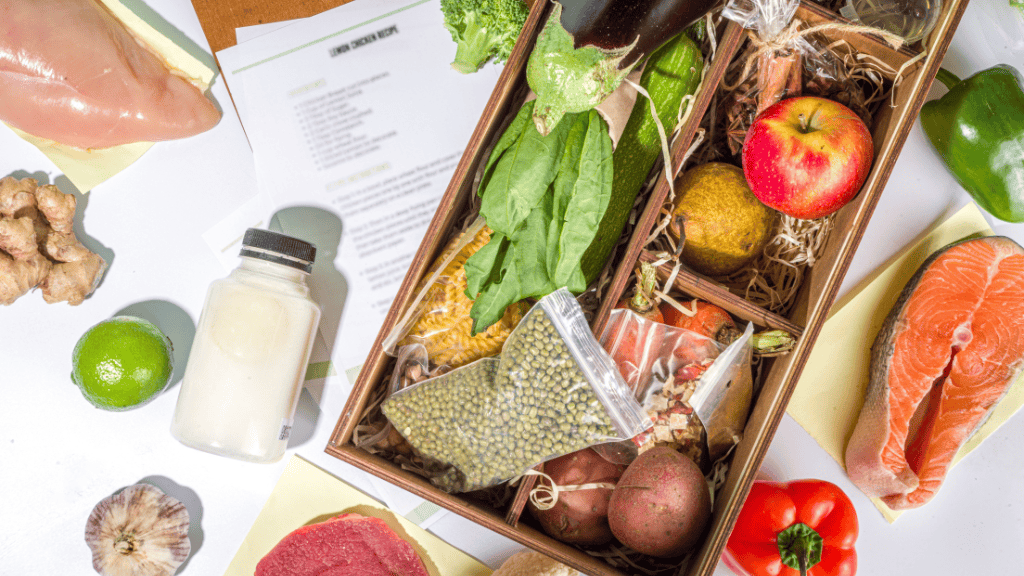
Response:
column 491, row 420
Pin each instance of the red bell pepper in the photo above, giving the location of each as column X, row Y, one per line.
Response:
column 806, row 527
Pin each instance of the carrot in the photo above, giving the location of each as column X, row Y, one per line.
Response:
column 707, row 320
column 643, row 301
column 713, row 322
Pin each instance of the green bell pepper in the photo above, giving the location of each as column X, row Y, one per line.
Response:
column 978, row 130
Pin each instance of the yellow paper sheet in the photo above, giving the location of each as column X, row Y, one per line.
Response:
column 306, row 494
column 829, row 396
column 88, row 168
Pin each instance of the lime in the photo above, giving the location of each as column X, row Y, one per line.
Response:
column 121, row 363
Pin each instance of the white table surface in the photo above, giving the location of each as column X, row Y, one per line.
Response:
column 59, row 456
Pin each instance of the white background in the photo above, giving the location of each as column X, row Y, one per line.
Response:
column 59, row 456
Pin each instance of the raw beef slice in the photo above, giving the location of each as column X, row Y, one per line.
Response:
column 346, row 545
column 948, row 351
column 72, row 73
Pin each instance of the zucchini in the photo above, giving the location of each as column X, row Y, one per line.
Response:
column 671, row 73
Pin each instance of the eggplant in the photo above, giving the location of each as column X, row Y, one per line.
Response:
column 611, row 24
column 587, row 47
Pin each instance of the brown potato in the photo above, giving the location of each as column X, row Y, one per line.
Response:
column 579, row 516
column 661, row 505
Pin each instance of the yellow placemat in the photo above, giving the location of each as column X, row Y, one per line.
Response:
column 306, row 494
column 88, row 168
column 828, row 398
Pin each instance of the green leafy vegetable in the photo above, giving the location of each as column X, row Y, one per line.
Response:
column 585, row 183
column 483, row 30
column 484, row 266
column 543, row 196
column 523, row 173
column 500, row 288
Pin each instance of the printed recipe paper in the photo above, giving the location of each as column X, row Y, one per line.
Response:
column 356, row 112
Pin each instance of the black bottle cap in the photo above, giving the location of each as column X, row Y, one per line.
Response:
column 278, row 248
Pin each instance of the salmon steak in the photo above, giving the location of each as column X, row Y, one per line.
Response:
column 71, row 72
column 949, row 350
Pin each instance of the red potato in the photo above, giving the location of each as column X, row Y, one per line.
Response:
column 579, row 516
column 661, row 505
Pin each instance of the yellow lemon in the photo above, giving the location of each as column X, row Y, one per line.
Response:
column 122, row 363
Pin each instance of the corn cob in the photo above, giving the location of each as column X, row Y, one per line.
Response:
column 442, row 323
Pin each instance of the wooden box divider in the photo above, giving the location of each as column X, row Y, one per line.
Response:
column 705, row 289
column 818, row 291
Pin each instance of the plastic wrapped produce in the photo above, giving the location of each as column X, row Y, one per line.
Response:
column 552, row 391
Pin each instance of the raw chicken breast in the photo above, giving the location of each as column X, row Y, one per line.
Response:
column 72, row 73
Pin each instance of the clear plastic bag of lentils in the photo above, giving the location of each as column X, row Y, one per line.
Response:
column 552, row 391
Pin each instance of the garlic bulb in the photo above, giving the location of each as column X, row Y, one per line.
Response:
column 139, row 531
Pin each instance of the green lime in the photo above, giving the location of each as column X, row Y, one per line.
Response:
column 121, row 363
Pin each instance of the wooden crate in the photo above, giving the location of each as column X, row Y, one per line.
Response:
column 817, row 294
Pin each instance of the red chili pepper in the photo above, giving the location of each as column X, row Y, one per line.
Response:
column 804, row 527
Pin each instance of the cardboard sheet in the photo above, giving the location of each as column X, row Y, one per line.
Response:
column 88, row 168
column 829, row 396
column 306, row 494
column 220, row 18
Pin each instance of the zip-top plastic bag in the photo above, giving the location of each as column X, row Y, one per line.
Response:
column 552, row 391
column 696, row 390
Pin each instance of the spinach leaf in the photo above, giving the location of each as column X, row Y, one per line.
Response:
column 583, row 189
column 529, row 251
column 544, row 199
column 484, row 265
column 510, row 136
column 521, row 176
column 522, row 274
column 490, row 305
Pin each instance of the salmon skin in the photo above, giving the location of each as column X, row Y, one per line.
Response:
column 949, row 350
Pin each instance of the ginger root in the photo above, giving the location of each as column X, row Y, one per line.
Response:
column 38, row 247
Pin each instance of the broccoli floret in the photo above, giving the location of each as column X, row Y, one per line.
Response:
column 482, row 30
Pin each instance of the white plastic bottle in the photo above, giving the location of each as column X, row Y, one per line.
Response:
column 249, row 357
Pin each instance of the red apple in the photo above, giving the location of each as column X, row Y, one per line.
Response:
column 807, row 156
